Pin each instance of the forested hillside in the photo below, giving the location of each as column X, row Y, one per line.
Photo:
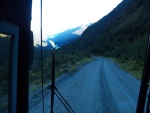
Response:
column 121, row 35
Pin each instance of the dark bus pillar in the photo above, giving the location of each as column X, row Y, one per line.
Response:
column 18, row 12
column 144, row 84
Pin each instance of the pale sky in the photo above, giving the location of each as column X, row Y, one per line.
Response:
column 59, row 15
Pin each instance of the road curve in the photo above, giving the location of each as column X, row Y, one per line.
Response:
column 98, row 87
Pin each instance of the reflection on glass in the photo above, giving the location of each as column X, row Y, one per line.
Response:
column 4, row 71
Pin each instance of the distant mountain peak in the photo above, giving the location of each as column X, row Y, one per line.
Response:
column 81, row 29
column 51, row 36
column 53, row 44
column 62, row 38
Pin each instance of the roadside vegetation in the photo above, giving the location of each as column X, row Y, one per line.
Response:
column 133, row 67
column 64, row 63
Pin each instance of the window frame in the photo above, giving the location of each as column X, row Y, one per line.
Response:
column 12, row 30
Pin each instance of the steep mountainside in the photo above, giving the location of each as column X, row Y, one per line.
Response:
column 62, row 38
column 68, row 35
column 121, row 34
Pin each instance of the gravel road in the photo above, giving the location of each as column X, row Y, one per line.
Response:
column 97, row 87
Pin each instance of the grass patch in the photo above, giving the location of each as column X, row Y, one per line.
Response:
column 65, row 67
column 70, row 67
column 4, row 106
column 34, row 87
column 134, row 67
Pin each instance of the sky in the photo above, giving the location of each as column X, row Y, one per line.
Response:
column 60, row 15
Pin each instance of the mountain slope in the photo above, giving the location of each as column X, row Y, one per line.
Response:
column 68, row 35
column 121, row 34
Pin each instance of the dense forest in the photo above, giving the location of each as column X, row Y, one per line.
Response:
column 121, row 35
